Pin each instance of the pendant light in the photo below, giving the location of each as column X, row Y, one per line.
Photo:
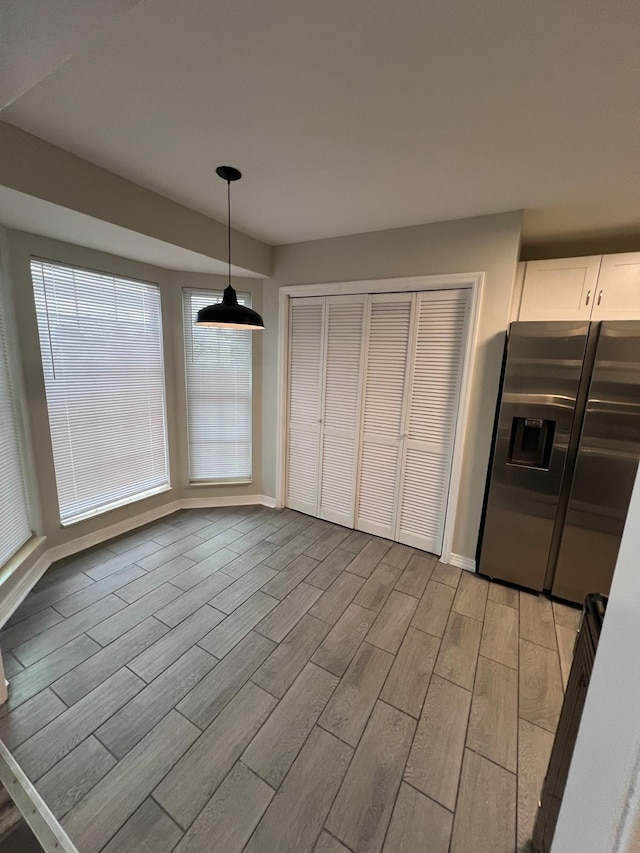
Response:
column 228, row 314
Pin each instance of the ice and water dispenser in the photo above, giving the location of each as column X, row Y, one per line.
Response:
column 531, row 442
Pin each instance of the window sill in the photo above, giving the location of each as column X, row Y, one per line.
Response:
column 197, row 484
column 141, row 496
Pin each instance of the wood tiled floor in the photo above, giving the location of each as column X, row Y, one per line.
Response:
column 255, row 679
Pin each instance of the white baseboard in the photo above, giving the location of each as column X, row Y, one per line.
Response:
column 27, row 580
column 460, row 562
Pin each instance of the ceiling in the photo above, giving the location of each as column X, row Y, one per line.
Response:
column 357, row 116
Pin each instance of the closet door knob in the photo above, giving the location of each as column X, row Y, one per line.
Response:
column 599, row 297
column 588, row 297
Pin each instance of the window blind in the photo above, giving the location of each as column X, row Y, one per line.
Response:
column 15, row 527
column 218, row 381
column 101, row 344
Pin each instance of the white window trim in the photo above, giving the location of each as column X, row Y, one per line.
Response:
column 472, row 281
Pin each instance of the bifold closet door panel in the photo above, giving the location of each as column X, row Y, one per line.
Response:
column 341, row 407
column 306, row 331
column 434, row 391
column 383, row 410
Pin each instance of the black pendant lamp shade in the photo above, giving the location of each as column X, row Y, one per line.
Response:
column 228, row 314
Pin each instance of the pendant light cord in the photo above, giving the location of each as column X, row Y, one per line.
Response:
column 229, row 226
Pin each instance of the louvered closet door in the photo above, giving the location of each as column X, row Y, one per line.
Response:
column 386, row 364
column 341, row 415
column 306, row 319
column 432, row 407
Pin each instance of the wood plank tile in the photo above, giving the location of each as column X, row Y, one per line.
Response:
column 187, row 603
column 416, row 575
column 493, row 724
column 408, row 680
column 32, row 680
column 189, row 786
column 485, row 814
column 341, row 644
column 109, row 564
column 415, row 819
column 231, row 814
column 328, row 844
column 79, row 562
column 88, row 675
column 248, row 560
column 335, row 600
column 356, row 541
column 131, row 540
column 287, row 532
column 322, row 547
column 378, row 587
column 503, row 594
column 471, row 596
column 113, row 800
column 45, row 595
column 133, row 721
column 152, row 580
column 500, row 634
column 115, row 626
column 536, row 620
column 534, row 751
column 368, row 558
column 28, row 628
column 259, row 536
column 292, row 549
column 207, row 699
column 228, row 633
column 388, row 631
column 399, row 555
column 434, row 608
column 90, row 594
column 22, row 723
column 148, row 830
column 443, row 573
column 212, row 544
column 330, row 568
column 172, row 534
column 58, row 635
column 362, row 808
column 540, row 685
column 281, row 668
column 277, row 624
column 273, row 750
column 73, row 777
column 350, row 706
column 566, row 642
column 61, row 735
column 255, row 519
column 436, row 755
column 239, row 591
column 11, row 665
column 203, row 569
column 288, row 579
column 567, row 617
column 459, row 650
column 293, row 820
column 175, row 643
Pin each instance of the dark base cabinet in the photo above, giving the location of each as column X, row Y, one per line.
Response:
column 569, row 722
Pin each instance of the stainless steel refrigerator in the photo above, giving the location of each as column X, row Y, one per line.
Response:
column 565, row 454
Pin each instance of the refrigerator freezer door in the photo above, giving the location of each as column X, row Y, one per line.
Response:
column 540, row 386
column 605, row 468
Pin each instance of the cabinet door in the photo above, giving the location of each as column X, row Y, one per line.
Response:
column 563, row 289
column 383, row 407
column 341, row 407
column 618, row 296
column 436, row 362
column 306, row 332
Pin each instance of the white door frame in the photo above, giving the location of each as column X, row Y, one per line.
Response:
column 471, row 281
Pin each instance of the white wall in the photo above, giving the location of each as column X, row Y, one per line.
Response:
column 488, row 244
column 600, row 810
column 46, row 517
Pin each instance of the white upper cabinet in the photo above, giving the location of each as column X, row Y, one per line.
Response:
column 618, row 296
column 600, row 287
column 563, row 289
